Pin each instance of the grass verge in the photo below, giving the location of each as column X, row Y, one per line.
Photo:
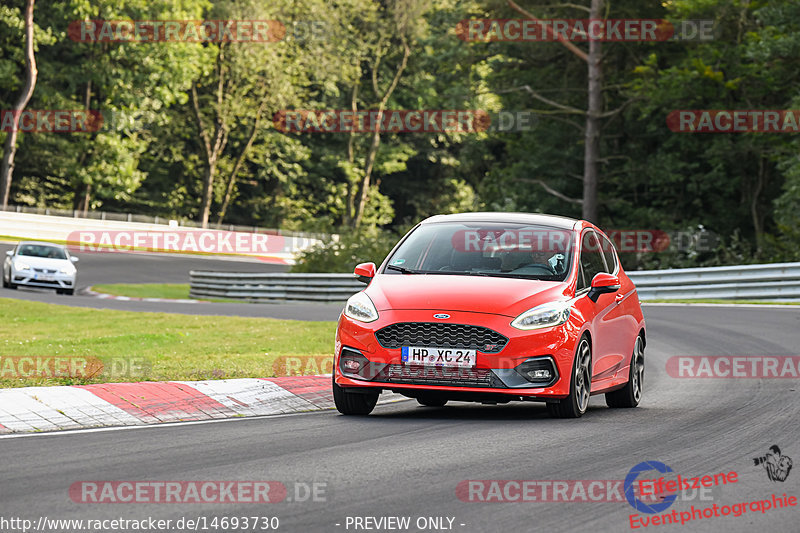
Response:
column 145, row 290
column 162, row 346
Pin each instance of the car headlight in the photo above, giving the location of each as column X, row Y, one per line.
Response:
column 360, row 307
column 19, row 265
column 543, row 316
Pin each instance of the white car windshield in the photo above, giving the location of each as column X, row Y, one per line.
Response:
column 41, row 250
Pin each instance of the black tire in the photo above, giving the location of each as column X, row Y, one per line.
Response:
column 353, row 403
column 8, row 284
column 574, row 405
column 432, row 402
column 631, row 394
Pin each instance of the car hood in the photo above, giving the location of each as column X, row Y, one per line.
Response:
column 478, row 294
column 42, row 262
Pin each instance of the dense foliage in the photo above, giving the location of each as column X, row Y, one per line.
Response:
column 166, row 104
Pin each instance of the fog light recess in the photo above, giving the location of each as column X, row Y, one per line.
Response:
column 540, row 371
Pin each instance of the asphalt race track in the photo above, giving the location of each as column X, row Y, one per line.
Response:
column 96, row 268
column 407, row 460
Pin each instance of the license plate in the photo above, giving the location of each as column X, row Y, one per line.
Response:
column 432, row 356
column 44, row 277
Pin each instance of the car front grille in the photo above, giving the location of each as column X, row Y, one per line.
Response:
column 440, row 335
column 44, row 271
column 436, row 375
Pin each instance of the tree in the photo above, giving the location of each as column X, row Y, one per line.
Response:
column 250, row 80
column 31, row 73
column 594, row 113
column 398, row 23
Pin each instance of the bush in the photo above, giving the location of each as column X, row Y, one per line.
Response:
column 341, row 253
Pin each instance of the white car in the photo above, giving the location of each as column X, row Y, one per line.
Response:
column 40, row 264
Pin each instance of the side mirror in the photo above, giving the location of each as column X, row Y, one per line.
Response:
column 365, row 272
column 73, row 259
column 10, row 253
column 603, row 283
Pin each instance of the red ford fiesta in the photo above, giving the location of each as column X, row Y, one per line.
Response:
column 493, row 307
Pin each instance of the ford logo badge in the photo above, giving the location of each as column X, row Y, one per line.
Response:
column 441, row 316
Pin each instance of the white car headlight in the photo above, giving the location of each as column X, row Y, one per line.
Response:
column 19, row 265
column 360, row 307
column 543, row 316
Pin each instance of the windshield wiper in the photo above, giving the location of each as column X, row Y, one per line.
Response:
column 459, row 272
column 537, row 277
column 404, row 270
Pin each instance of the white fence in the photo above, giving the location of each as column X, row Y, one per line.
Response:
column 59, row 228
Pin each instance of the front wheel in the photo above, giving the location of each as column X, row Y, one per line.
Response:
column 353, row 403
column 631, row 393
column 580, row 385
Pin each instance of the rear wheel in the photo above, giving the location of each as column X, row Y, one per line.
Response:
column 432, row 402
column 631, row 393
column 580, row 385
column 353, row 403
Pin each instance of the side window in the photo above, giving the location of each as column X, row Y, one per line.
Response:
column 581, row 280
column 592, row 260
column 608, row 253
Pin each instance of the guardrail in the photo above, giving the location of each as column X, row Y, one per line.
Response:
column 271, row 287
column 777, row 281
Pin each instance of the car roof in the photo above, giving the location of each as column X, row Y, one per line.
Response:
column 41, row 243
column 500, row 216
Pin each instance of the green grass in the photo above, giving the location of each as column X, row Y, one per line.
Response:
column 713, row 301
column 145, row 290
column 166, row 346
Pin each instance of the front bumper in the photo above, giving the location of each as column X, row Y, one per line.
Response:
column 495, row 375
column 46, row 280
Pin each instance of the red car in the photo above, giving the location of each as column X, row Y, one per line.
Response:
column 490, row 308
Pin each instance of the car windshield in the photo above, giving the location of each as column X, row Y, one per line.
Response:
column 40, row 250
column 485, row 249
